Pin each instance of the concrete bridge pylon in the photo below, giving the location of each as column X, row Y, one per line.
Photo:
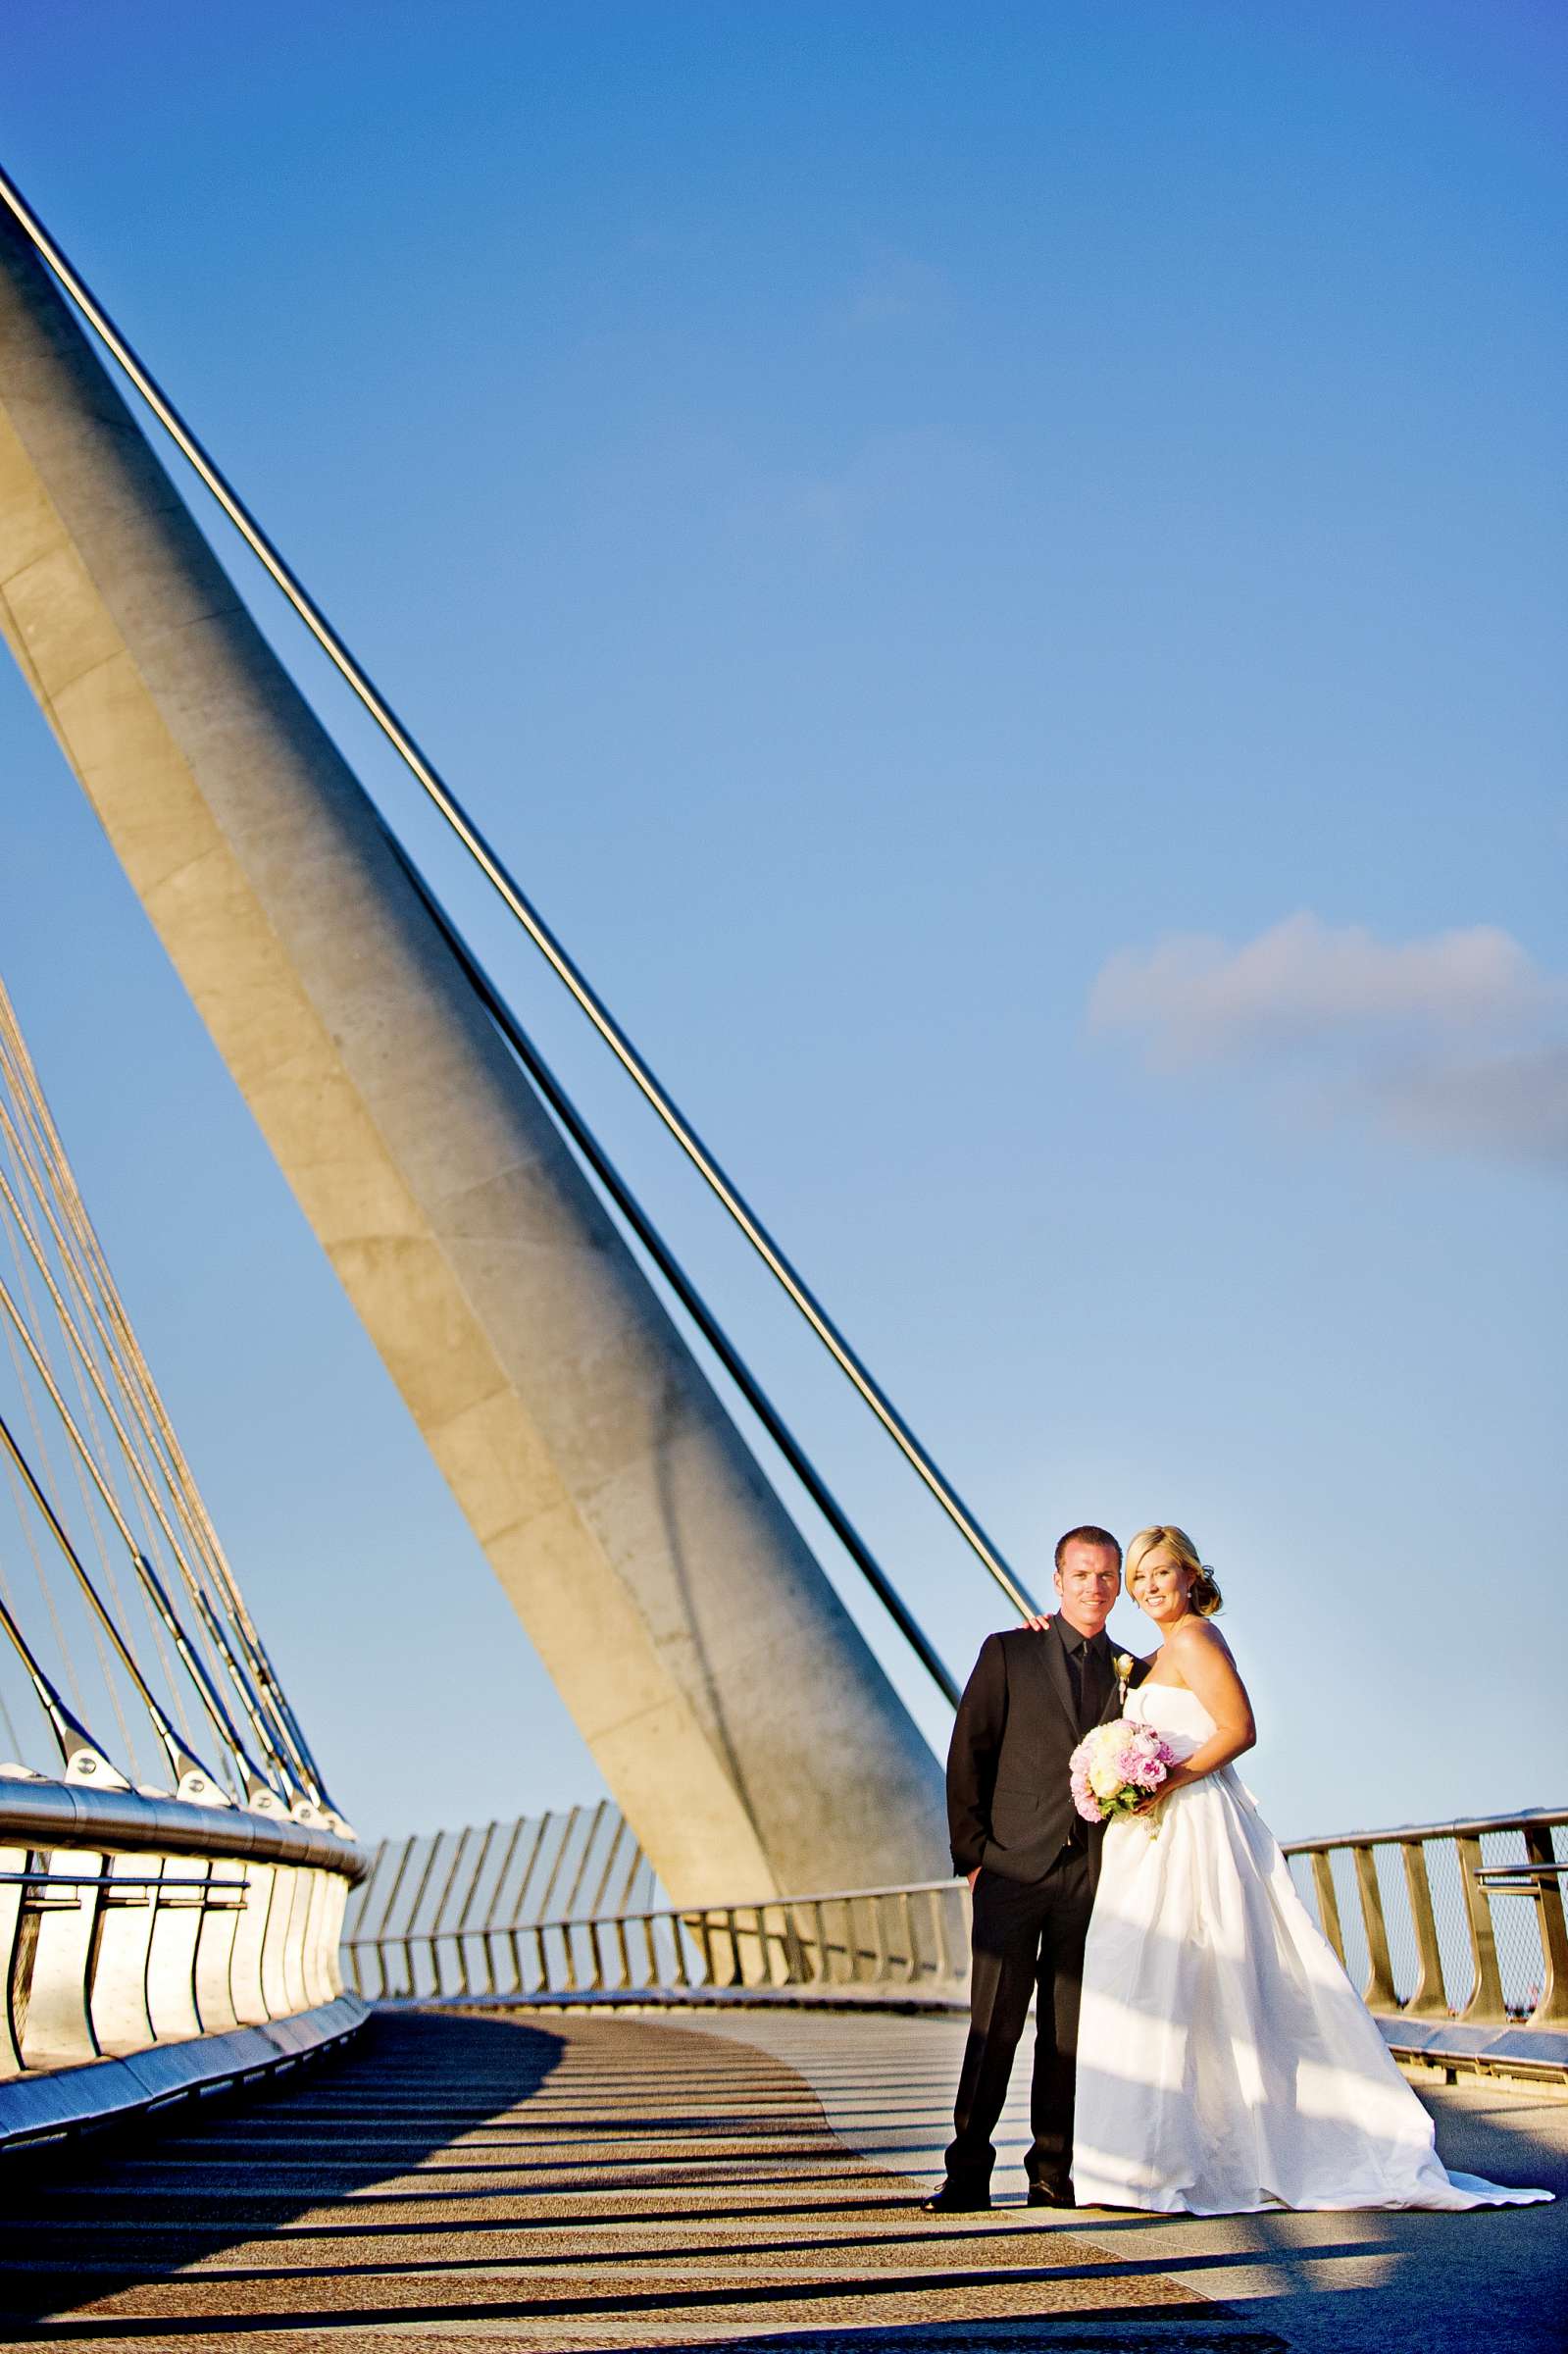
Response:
column 741, row 1721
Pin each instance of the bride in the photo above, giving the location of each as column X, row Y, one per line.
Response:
column 1225, row 2062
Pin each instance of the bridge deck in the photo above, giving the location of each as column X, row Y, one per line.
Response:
column 596, row 2182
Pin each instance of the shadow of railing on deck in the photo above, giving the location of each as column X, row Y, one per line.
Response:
column 78, row 2227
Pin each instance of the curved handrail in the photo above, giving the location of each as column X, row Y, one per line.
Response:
column 45, row 1814
column 1540, row 1819
column 132, row 1920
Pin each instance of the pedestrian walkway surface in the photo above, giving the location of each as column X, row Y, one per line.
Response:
column 616, row 2181
column 1333, row 2283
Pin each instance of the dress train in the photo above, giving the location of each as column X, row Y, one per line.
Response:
column 1225, row 2062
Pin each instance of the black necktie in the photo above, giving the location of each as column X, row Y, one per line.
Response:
column 1090, row 1691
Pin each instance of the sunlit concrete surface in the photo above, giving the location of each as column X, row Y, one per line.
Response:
column 590, row 2179
column 1334, row 2282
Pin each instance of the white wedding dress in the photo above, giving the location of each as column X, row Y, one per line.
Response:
column 1225, row 2062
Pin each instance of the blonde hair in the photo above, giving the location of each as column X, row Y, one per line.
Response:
column 1205, row 1596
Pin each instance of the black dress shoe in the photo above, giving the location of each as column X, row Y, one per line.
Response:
column 957, row 2198
column 1051, row 2194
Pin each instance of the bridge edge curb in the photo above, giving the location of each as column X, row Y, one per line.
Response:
column 56, row 2104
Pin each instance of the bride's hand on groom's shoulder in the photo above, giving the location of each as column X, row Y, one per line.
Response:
column 1040, row 1625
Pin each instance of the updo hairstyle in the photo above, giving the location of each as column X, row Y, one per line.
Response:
column 1203, row 1597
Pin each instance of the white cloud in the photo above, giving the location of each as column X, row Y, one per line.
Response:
column 1458, row 1042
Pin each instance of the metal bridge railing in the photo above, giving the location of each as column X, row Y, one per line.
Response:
column 1441, row 1922
column 1448, row 1921
column 431, row 1905
column 878, row 1940
column 128, row 1923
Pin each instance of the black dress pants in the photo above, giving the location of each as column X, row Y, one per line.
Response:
column 1028, row 1939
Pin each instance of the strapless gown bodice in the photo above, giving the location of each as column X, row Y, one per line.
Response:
column 1173, row 1710
column 1225, row 2062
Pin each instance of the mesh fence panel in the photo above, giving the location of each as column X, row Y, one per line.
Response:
column 1516, row 1926
column 1448, row 1910
column 1515, row 1916
column 1357, row 1958
column 1399, row 1920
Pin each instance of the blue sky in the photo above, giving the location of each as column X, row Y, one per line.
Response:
column 998, row 572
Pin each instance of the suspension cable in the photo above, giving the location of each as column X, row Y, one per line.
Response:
column 90, row 1273
column 515, row 900
column 681, row 1283
column 84, row 1456
column 35, row 1423
column 179, row 1756
column 66, row 1725
column 151, row 1583
column 25, row 1086
column 68, row 1324
column 45, row 1189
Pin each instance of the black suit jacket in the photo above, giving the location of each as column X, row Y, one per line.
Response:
column 1009, row 1804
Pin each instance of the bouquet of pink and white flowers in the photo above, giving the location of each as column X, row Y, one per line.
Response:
column 1116, row 1768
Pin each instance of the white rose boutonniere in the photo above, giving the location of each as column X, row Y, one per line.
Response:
column 1124, row 1676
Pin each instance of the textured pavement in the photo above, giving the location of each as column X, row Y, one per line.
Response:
column 596, row 2181
column 1323, row 2283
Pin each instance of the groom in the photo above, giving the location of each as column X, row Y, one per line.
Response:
column 1032, row 1862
